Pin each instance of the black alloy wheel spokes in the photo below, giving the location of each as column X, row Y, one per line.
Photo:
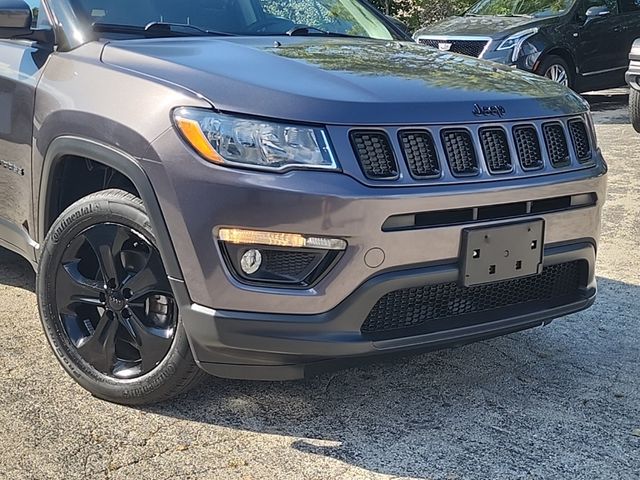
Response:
column 115, row 301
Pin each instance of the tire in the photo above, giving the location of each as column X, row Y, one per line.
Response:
column 124, row 345
column 554, row 63
column 634, row 109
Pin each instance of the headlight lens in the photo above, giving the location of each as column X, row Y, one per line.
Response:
column 515, row 42
column 252, row 143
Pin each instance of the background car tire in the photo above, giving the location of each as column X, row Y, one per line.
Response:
column 552, row 66
column 634, row 109
column 117, row 211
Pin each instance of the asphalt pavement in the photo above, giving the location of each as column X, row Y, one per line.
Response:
column 559, row 402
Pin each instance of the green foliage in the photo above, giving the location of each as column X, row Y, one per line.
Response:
column 417, row 13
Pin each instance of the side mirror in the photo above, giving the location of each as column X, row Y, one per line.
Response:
column 15, row 18
column 597, row 12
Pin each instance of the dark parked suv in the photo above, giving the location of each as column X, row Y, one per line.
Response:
column 582, row 44
column 262, row 189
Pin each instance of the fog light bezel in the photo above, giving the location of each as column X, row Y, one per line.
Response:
column 233, row 248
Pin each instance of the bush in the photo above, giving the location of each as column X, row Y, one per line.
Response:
column 417, row 13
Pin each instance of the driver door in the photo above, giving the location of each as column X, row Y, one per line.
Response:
column 599, row 40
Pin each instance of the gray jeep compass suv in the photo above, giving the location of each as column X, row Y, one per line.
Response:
column 262, row 189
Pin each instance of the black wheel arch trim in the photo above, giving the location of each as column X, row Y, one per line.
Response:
column 125, row 164
column 564, row 53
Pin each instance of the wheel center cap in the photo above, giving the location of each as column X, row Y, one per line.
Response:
column 115, row 301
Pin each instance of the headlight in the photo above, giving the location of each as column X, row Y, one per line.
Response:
column 515, row 42
column 252, row 143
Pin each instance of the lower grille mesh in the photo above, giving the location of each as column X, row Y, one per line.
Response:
column 415, row 307
column 288, row 264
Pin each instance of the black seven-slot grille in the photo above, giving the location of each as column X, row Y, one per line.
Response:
column 472, row 48
column 501, row 149
column 420, row 309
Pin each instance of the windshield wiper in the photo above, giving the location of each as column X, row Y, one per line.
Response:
column 522, row 15
column 301, row 30
column 164, row 26
column 156, row 29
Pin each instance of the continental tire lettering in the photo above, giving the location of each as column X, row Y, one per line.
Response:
column 64, row 224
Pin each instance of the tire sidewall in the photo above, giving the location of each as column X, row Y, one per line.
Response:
column 552, row 60
column 93, row 210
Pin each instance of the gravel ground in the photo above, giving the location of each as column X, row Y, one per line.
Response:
column 556, row 402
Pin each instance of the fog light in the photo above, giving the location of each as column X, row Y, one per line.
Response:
column 251, row 261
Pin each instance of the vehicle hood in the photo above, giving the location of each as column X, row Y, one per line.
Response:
column 486, row 26
column 340, row 81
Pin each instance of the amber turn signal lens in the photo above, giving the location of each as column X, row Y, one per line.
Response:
column 193, row 134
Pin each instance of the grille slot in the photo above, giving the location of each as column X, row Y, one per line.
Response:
column 461, row 154
column 472, row 48
column 528, row 147
column 557, row 146
column 374, row 152
column 434, row 307
column 419, row 152
column 495, row 147
column 580, row 139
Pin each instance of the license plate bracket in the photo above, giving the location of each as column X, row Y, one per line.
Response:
column 504, row 252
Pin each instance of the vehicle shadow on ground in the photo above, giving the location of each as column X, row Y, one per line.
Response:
column 15, row 271
column 491, row 409
column 609, row 107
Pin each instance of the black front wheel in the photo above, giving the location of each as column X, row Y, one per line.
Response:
column 107, row 306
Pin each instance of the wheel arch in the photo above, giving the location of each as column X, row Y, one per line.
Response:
column 121, row 162
column 563, row 53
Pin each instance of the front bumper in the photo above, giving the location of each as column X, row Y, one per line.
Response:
column 633, row 74
column 244, row 331
column 284, row 347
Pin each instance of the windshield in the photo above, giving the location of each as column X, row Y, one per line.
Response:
column 529, row 8
column 241, row 17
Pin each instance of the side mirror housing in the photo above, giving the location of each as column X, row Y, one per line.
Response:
column 597, row 12
column 15, row 18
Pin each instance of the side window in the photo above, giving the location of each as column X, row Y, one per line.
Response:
column 630, row 6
